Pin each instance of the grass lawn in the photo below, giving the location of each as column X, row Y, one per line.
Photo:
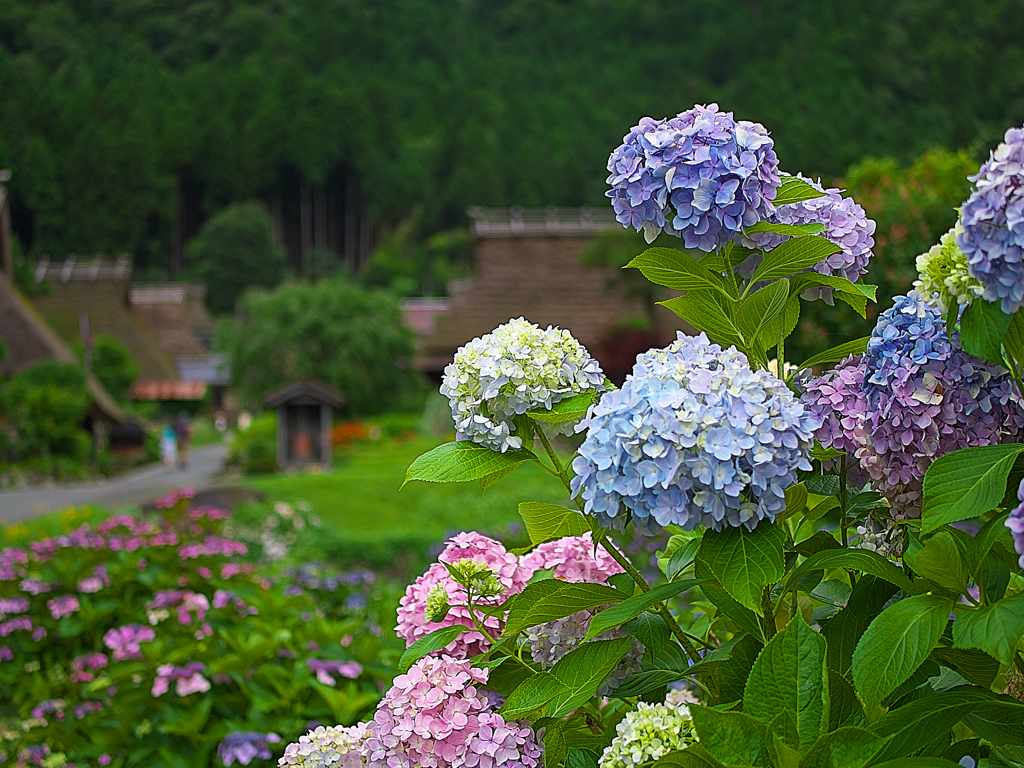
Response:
column 365, row 516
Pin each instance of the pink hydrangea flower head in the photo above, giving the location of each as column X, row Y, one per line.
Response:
column 512, row 576
column 174, row 497
column 62, row 606
column 38, row 634
column 83, row 667
column 574, row 559
column 97, row 581
column 434, row 715
column 325, row 669
column 104, row 759
column 187, row 679
column 124, row 641
column 6, row 654
column 12, row 605
column 17, row 624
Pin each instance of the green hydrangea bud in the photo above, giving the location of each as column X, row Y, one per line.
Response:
column 437, row 604
column 943, row 274
column 477, row 577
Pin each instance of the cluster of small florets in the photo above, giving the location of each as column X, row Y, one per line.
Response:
column 992, row 239
column 647, row 734
column 326, row 669
column 434, row 715
column 700, row 175
column 505, row 567
column 883, row 537
column 693, row 438
column 574, row 559
column 552, row 640
column 846, row 224
column 246, row 746
column 943, row 275
column 125, row 641
column 913, row 396
column 516, row 368
column 188, row 679
column 331, row 747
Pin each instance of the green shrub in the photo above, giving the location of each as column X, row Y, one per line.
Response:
column 113, row 365
column 255, row 449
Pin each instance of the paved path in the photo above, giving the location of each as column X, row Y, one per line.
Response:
column 135, row 487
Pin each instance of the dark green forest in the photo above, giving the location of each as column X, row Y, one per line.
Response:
column 109, row 109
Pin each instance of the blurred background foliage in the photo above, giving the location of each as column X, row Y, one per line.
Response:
column 109, row 106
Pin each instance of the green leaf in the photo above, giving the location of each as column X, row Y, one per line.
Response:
column 744, row 617
column 580, row 758
column 796, row 501
column 982, row 328
column 682, row 559
column 651, row 632
column 461, row 461
column 844, row 748
column 532, row 694
column 692, row 757
column 966, row 483
column 916, row 724
column 995, row 629
column 732, row 738
column 1013, row 341
column 582, row 671
column 795, row 190
column 836, row 354
column 427, row 644
column 550, row 599
column 570, row 409
column 759, row 310
column 1000, row 721
column 789, row 676
column 677, row 270
column 896, row 643
column 743, row 561
column 489, row 480
column 794, row 230
column 634, row 606
column 856, row 559
column 793, row 256
column 556, row 751
column 983, row 541
column 844, row 708
column 918, row 762
column 976, row 666
column 545, row 522
column 705, row 314
column 941, row 561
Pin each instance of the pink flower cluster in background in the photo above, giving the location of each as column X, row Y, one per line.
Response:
column 124, row 641
column 83, row 667
column 187, row 679
column 62, row 606
column 325, row 669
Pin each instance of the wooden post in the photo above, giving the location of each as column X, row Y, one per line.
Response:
column 325, row 435
column 282, row 436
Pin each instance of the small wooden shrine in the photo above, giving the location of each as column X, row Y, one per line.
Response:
column 304, row 410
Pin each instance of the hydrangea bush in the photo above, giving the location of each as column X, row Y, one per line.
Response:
column 842, row 585
column 157, row 640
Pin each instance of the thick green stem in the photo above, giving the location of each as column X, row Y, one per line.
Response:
column 842, row 500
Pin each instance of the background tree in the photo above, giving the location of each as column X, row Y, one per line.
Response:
column 113, row 365
column 334, row 330
column 235, row 250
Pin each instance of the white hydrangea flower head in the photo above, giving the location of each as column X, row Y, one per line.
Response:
column 647, row 734
column 943, row 274
column 516, row 368
column 331, row 747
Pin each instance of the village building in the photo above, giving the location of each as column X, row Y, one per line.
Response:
column 528, row 263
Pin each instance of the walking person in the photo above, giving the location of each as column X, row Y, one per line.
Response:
column 168, row 447
column 183, row 431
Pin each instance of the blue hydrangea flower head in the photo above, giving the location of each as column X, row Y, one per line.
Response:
column 993, row 224
column 693, row 438
column 516, row 368
column 913, row 396
column 700, row 175
column 846, row 225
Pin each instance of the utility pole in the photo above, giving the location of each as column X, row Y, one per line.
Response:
column 6, row 252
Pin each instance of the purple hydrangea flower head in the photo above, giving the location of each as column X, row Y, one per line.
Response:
column 124, row 641
column 693, row 438
column 550, row 641
column 1015, row 522
column 846, row 225
column 700, row 175
column 86, row 708
column 517, row 367
column 12, row 605
column 993, row 224
column 574, row 559
column 436, row 715
column 62, row 606
column 510, row 573
column 82, row 668
column 6, row 654
column 330, row 747
column 246, row 746
column 187, row 679
column 17, row 624
column 913, row 396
